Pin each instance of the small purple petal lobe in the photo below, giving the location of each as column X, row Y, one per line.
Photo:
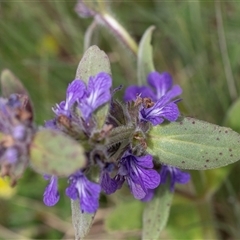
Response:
column 51, row 195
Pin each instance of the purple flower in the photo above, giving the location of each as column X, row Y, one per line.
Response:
column 161, row 94
column 97, row 93
column 162, row 109
column 138, row 173
column 176, row 176
column 88, row 98
column 75, row 91
column 51, row 194
column 87, row 192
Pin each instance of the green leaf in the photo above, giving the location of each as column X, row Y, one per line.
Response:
column 156, row 212
column 11, row 84
column 120, row 219
column 145, row 63
column 82, row 222
column 193, row 144
column 54, row 153
column 232, row 118
column 94, row 61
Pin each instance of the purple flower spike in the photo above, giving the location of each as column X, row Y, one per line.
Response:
column 176, row 175
column 97, row 93
column 87, row 192
column 51, row 194
column 75, row 91
column 138, row 174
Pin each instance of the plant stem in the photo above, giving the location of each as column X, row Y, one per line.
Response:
column 118, row 30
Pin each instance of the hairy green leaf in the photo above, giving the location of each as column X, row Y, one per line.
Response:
column 145, row 63
column 11, row 84
column 54, row 153
column 82, row 222
column 193, row 144
column 232, row 118
column 156, row 212
column 93, row 61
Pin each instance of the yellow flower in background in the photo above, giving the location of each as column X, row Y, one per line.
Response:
column 48, row 45
column 6, row 191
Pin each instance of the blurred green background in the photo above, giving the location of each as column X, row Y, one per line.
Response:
column 42, row 42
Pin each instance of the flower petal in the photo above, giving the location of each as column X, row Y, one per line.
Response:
column 51, row 195
column 71, row 191
column 148, row 196
column 132, row 92
column 160, row 110
column 98, row 93
column 76, row 90
column 108, row 184
column 151, row 178
column 88, row 194
column 161, row 82
column 174, row 92
column 145, row 161
column 136, row 189
column 175, row 174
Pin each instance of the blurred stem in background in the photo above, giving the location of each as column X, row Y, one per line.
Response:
column 99, row 10
column 224, row 52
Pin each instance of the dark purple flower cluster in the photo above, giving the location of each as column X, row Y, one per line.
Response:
column 119, row 148
column 16, row 132
column 162, row 94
